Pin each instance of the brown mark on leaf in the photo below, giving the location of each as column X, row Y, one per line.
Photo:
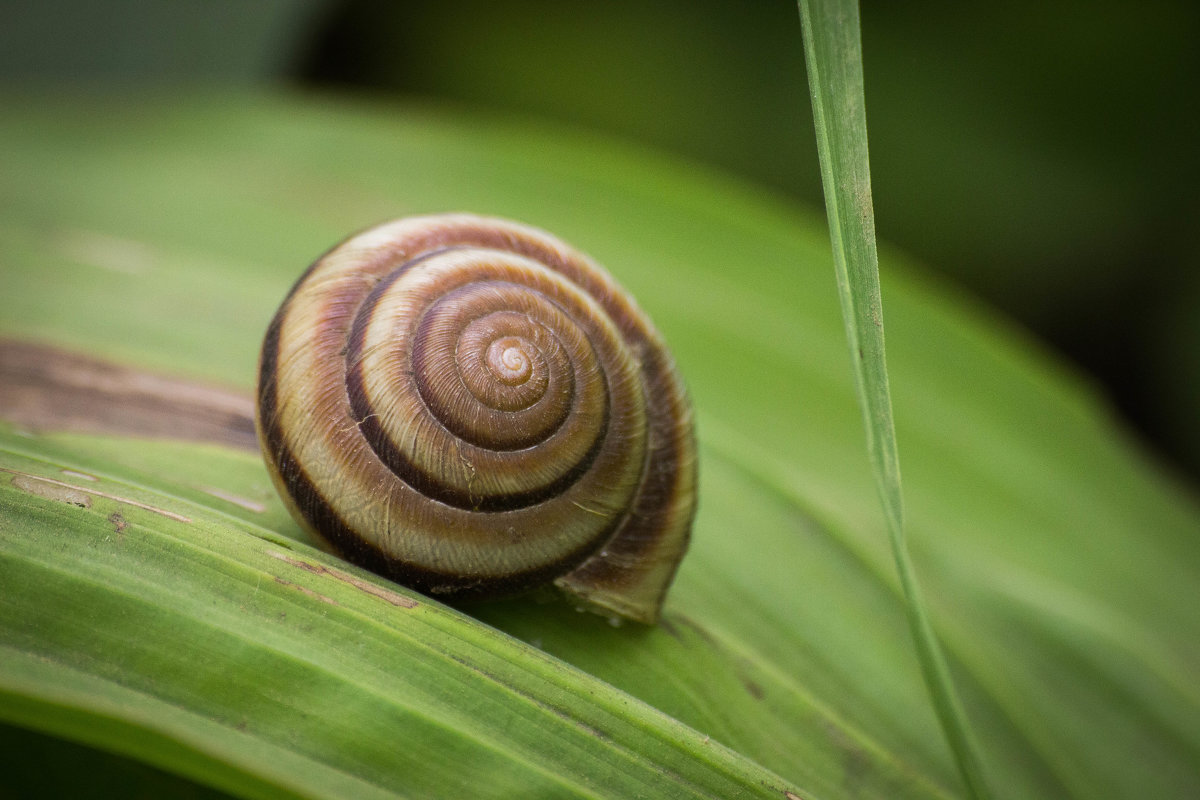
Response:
column 307, row 591
column 51, row 490
column 47, row 388
column 376, row 591
column 791, row 795
column 118, row 522
column 78, row 495
column 752, row 687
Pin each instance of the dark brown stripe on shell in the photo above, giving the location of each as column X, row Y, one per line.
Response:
column 267, row 411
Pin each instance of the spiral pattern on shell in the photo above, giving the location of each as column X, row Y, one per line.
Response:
column 473, row 408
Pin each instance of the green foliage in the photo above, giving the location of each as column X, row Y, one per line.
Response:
column 162, row 232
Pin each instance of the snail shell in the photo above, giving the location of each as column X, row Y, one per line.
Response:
column 471, row 407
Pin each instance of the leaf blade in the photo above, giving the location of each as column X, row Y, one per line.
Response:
column 833, row 55
column 126, row 616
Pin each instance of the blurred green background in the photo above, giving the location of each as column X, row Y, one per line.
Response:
column 1041, row 156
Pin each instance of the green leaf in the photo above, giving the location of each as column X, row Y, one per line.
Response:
column 833, row 51
column 161, row 234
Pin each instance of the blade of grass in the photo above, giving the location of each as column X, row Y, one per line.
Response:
column 833, row 56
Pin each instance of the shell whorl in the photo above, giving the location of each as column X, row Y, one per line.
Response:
column 473, row 408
